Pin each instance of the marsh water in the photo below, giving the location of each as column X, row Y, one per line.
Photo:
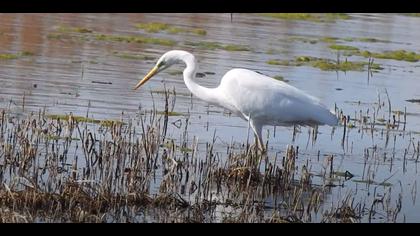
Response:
column 69, row 71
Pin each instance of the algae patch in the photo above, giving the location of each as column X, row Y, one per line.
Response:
column 329, row 65
column 217, row 45
column 11, row 56
column 171, row 145
column 175, row 72
column 303, row 39
column 411, row 14
column 83, row 34
column 371, row 182
column 81, row 119
column 170, row 113
column 55, row 137
column 372, row 40
column 399, row 55
column 334, row 40
column 134, row 39
column 325, row 64
column 343, row 47
column 156, row 27
column 329, row 39
column 153, row 27
column 67, row 29
column 132, row 56
column 314, row 17
column 162, row 92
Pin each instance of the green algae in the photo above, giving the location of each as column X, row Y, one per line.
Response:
column 132, row 56
column 329, row 39
column 303, row 40
column 343, row 47
column 325, row 64
column 328, row 65
column 198, row 31
column 162, row 92
column 8, row 56
column 217, row 45
column 411, row 14
column 81, row 119
column 11, row 56
column 55, row 137
column 279, row 62
column 351, row 39
column 68, row 29
column 152, row 27
column 84, row 34
column 175, row 72
column 156, row 27
column 314, row 17
column 400, row 55
column 170, row 113
column 235, row 47
column 134, row 39
column 171, row 145
column 372, row 40
column 371, row 182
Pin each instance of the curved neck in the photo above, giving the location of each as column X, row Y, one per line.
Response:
column 206, row 94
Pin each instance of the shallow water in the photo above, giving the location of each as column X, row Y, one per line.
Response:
column 85, row 76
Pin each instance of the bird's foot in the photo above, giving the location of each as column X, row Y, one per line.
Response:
column 258, row 148
column 263, row 150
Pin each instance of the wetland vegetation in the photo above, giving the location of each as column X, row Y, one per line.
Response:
column 78, row 145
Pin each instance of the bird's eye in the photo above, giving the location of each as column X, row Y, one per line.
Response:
column 162, row 63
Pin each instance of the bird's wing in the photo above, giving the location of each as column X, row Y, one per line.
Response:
column 272, row 101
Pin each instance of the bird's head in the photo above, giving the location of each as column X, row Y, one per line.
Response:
column 165, row 61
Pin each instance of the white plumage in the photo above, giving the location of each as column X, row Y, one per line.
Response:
column 257, row 98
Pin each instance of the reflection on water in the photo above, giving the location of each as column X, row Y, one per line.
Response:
column 80, row 74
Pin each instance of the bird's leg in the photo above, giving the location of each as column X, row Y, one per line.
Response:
column 260, row 145
column 257, row 128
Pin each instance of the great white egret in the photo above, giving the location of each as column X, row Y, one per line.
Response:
column 257, row 98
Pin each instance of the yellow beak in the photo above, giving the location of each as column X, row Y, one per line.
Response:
column 147, row 77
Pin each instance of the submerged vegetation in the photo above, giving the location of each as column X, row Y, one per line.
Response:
column 175, row 72
column 368, row 40
column 326, row 64
column 134, row 39
column 155, row 27
column 412, row 14
column 303, row 39
column 82, row 34
column 335, row 42
column 314, row 17
column 68, row 29
column 400, row 55
column 10, row 56
column 80, row 119
column 217, row 45
column 343, row 47
column 131, row 56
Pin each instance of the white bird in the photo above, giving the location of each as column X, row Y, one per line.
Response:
column 258, row 99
